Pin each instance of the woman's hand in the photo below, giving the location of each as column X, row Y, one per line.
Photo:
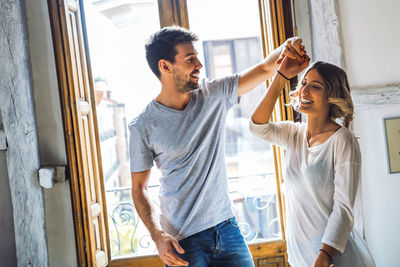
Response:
column 291, row 67
column 293, row 49
column 322, row 260
column 325, row 256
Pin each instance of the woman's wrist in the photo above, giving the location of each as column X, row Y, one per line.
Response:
column 282, row 75
column 331, row 250
column 278, row 83
column 328, row 256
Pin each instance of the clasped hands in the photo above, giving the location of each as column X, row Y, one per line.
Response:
column 293, row 58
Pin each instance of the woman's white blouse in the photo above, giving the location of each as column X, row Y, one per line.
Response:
column 320, row 189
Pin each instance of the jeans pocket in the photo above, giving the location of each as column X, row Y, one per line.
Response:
column 232, row 221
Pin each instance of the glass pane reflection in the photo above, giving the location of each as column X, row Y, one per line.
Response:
column 117, row 30
column 229, row 43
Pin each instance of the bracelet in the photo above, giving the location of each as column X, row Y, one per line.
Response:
column 329, row 256
column 282, row 75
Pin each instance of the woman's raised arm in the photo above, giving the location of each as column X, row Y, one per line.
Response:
column 288, row 69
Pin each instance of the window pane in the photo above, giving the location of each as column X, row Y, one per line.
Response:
column 117, row 30
column 229, row 43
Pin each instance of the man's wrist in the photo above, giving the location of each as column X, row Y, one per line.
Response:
column 156, row 233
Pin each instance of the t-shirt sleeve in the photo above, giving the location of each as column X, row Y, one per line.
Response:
column 226, row 87
column 140, row 154
column 276, row 133
column 347, row 171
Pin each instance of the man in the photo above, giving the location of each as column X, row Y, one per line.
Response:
column 182, row 130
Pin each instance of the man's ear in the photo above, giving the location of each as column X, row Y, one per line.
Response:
column 165, row 66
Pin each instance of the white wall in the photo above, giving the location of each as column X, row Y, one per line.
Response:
column 371, row 42
column 59, row 221
column 380, row 189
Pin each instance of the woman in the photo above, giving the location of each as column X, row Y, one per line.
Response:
column 323, row 165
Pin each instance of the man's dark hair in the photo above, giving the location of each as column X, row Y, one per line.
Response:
column 161, row 45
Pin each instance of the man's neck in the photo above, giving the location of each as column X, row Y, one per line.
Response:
column 171, row 98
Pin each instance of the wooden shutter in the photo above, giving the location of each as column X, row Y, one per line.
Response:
column 80, row 124
column 277, row 26
column 173, row 12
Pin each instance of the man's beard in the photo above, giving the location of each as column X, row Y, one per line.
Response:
column 184, row 86
column 189, row 86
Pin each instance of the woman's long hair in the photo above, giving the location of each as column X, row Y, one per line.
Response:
column 337, row 90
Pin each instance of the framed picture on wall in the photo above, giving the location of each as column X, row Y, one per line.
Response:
column 392, row 135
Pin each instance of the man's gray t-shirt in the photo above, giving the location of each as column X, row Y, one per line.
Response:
column 188, row 147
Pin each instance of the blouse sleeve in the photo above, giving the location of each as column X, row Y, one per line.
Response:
column 347, row 171
column 276, row 133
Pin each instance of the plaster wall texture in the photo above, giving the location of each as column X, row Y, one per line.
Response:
column 7, row 245
column 22, row 155
column 51, row 142
column 326, row 42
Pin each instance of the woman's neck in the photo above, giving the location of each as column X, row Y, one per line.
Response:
column 317, row 125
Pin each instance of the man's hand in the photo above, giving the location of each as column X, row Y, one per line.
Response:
column 292, row 48
column 165, row 244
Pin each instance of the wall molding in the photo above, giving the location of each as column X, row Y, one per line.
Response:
column 376, row 96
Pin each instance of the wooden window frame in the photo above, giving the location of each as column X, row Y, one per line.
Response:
column 276, row 26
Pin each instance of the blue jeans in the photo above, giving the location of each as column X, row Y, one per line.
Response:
column 220, row 246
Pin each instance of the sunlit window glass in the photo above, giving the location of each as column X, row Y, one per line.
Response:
column 124, row 84
column 229, row 32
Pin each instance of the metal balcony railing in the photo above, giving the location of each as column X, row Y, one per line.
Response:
column 255, row 208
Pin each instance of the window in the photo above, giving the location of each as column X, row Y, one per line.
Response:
column 116, row 32
column 249, row 160
column 127, row 85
